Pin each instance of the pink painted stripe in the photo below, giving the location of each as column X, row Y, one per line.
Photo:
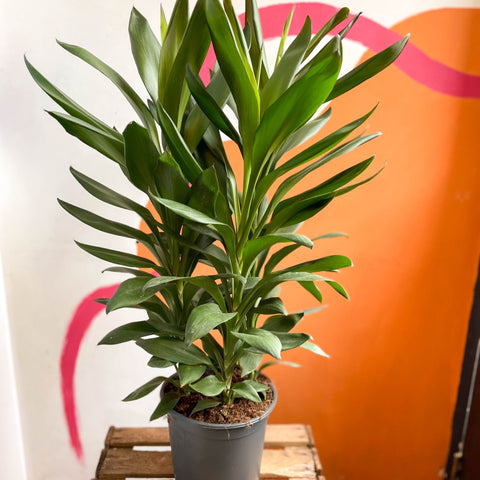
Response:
column 77, row 329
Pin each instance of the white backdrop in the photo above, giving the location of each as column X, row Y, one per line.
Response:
column 44, row 274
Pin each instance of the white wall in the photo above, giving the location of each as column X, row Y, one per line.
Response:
column 12, row 456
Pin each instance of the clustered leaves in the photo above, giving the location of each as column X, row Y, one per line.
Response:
column 244, row 233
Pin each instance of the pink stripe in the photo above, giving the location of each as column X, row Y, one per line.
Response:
column 77, row 329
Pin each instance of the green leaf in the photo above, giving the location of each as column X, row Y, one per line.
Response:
column 249, row 389
column 192, row 51
column 315, row 150
column 325, row 189
column 249, row 361
column 328, row 143
column 293, row 108
column 135, row 101
column 277, row 257
column 129, row 293
column 286, row 69
column 255, row 246
column 103, row 142
column 269, row 364
column 68, row 104
column 284, row 36
column 290, row 341
column 303, row 134
column 170, row 181
column 174, row 351
column 197, row 122
column 313, row 289
column 145, row 50
column 111, row 197
column 132, row 271
column 171, row 43
column 261, row 340
column 282, row 323
column 269, row 306
column 268, row 283
column 127, row 332
column 338, row 18
column 204, row 192
column 237, row 72
column 120, row 258
column 204, row 404
column 325, row 264
column 255, row 41
column 209, row 386
column 104, row 224
column 194, row 215
column 145, row 389
column 167, row 403
column 311, row 347
column 295, row 214
column 177, row 145
column 368, row 69
column 338, row 288
column 190, row 373
column 141, row 156
column 203, row 319
column 210, row 107
column 156, row 362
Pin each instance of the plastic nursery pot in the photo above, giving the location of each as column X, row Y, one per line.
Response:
column 206, row 451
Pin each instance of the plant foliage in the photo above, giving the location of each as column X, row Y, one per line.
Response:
column 174, row 154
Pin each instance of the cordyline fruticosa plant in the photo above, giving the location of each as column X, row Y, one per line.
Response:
column 243, row 232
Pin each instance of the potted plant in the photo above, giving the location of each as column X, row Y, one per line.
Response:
column 216, row 328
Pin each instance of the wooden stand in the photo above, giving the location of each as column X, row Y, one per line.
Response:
column 289, row 454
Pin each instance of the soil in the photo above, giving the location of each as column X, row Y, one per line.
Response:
column 242, row 410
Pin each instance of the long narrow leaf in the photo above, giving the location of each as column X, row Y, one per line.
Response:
column 141, row 156
column 293, row 109
column 338, row 18
column 119, row 258
column 69, row 105
column 135, row 101
column 237, row 73
column 178, row 147
column 210, row 107
column 103, row 142
column 368, row 69
column 171, row 43
column 104, row 224
column 145, row 50
column 192, row 51
column 174, row 350
column 287, row 68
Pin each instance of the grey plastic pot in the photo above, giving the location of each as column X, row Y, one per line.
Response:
column 205, row 451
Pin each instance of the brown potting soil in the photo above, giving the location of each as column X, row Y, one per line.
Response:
column 241, row 410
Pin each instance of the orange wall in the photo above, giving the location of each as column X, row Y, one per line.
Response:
column 382, row 405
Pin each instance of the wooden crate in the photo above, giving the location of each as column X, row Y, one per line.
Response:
column 289, row 454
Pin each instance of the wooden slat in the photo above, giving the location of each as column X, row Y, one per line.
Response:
column 316, row 458
column 142, row 437
column 278, row 435
column 125, row 463
column 288, row 462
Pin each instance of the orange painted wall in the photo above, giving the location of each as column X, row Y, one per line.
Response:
column 382, row 405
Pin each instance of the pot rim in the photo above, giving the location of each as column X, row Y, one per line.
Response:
column 224, row 426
